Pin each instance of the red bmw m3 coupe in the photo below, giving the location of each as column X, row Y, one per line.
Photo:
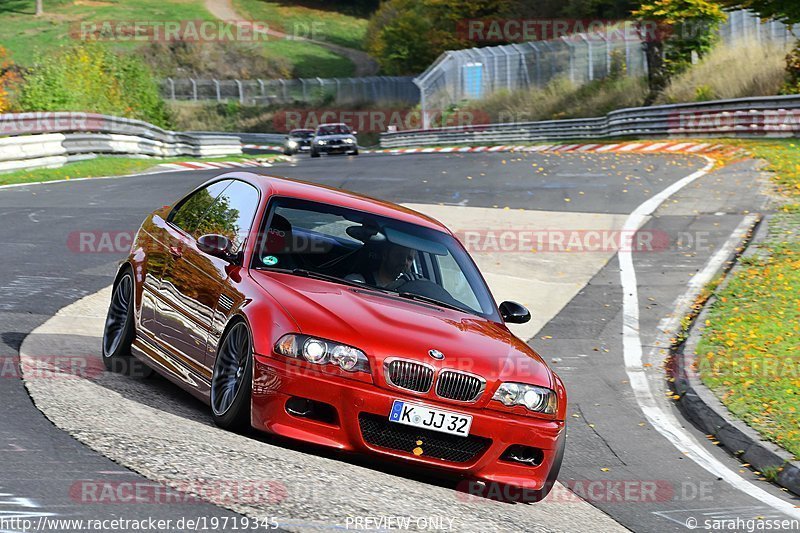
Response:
column 339, row 320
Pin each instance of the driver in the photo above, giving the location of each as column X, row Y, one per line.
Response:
column 396, row 261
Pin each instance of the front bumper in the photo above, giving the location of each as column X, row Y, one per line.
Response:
column 276, row 381
column 336, row 148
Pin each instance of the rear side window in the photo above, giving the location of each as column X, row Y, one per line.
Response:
column 231, row 215
column 189, row 212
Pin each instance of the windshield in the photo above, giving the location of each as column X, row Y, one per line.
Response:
column 302, row 134
column 309, row 238
column 333, row 129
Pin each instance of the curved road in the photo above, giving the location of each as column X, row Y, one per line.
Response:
column 612, row 445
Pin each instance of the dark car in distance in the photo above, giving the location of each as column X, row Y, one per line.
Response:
column 298, row 141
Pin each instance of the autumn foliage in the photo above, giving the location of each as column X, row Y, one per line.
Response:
column 8, row 80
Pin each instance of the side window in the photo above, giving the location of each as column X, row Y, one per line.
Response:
column 231, row 215
column 191, row 210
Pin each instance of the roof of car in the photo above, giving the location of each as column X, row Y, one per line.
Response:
column 272, row 185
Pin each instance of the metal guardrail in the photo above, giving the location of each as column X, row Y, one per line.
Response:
column 775, row 116
column 30, row 140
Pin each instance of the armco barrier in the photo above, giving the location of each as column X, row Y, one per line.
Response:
column 31, row 140
column 775, row 116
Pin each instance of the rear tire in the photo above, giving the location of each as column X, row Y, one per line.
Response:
column 120, row 330
column 232, row 379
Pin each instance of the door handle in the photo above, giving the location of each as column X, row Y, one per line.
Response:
column 176, row 252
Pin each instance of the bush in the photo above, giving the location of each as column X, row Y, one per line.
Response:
column 792, row 85
column 89, row 77
column 563, row 99
column 747, row 69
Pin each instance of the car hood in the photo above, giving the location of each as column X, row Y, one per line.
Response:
column 385, row 326
column 334, row 137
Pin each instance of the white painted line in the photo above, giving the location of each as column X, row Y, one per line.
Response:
column 662, row 420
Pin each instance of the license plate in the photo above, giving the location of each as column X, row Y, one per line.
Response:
column 420, row 416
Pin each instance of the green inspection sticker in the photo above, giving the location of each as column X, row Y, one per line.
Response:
column 269, row 260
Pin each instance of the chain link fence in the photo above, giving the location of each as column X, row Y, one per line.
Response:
column 377, row 89
column 476, row 73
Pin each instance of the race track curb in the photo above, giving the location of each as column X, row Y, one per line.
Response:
column 704, row 409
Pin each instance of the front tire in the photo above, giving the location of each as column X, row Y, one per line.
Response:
column 120, row 330
column 232, row 379
column 314, row 153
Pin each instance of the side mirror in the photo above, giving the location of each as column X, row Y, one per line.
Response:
column 216, row 245
column 514, row 313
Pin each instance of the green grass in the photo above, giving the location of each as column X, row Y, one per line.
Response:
column 749, row 353
column 310, row 60
column 102, row 166
column 25, row 36
column 331, row 26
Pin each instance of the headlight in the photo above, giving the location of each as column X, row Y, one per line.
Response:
column 320, row 352
column 536, row 399
column 349, row 141
column 292, row 144
column 321, row 141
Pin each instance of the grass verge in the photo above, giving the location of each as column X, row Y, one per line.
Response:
column 103, row 166
column 749, row 352
column 25, row 35
column 294, row 19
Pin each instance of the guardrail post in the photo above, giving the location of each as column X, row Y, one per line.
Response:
column 216, row 86
column 263, row 89
column 171, row 89
column 590, row 58
column 194, row 89
column 241, row 91
column 305, row 91
column 571, row 59
column 283, row 89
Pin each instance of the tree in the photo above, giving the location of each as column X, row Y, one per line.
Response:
column 787, row 11
column 672, row 30
column 406, row 36
column 39, row 8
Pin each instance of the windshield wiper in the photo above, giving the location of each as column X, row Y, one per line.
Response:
column 427, row 299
